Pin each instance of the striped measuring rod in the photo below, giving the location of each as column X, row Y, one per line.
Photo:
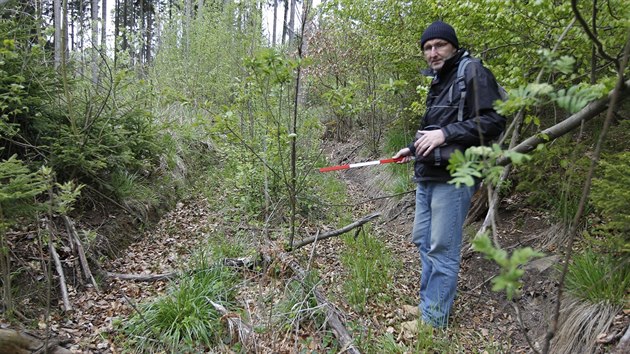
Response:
column 359, row 164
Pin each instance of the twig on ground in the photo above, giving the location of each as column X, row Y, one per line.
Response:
column 337, row 232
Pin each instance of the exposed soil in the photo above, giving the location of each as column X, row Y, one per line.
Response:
column 483, row 320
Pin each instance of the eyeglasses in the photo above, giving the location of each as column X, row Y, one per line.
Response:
column 437, row 46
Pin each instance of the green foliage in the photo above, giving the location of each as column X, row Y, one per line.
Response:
column 19, row 186
column 370, row 266
column 511, row 272
column 184, row 319
column 610, row 194
column 25, row 82
column 599, row 277
column 554, row 177
column 479, row 162
column 576, row 97
column 257, row 126
column 342, row 99
column 395, row 139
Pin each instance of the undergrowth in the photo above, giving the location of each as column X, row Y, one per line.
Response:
column 184, row 319
column 553, row 179
column 370, row 268
column 599, row 278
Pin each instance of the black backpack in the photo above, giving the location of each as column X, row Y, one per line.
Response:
column 460, row 80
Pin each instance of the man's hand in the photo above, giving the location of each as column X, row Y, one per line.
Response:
column 405, row 153
column 429, row 140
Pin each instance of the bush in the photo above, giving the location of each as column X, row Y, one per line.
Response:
column 610, row 194
column 553, row 179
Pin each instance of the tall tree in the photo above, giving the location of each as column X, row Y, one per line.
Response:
column 275, row 22
column 104, row 27
column 94, row 44
column 57, row 14
column 285, row 25
column 291, row 29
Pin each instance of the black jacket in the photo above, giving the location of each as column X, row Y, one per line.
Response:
column 481, row 123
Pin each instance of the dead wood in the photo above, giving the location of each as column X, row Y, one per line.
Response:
column 58, row 267
column 74, row 237
column 243, row 262
column 142, row 277
column 15, row 342
column 333, row 319
column 624, row 343
column 337, row 232
column 237, row 328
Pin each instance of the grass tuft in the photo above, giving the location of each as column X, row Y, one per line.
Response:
column 599, row 278
column 370, row 266
column 184, row 320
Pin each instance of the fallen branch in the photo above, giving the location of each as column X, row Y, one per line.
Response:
column 337, row 232
column 332, row 317
column 243, row 262
column 58, row 267
column 142, row 277
column 12, row 341
column 74, row 237
column 237, row 328
column 624, row 343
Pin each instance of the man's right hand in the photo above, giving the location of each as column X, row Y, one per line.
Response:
column 405, row 153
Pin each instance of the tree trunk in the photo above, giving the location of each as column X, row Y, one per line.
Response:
column 116, row 28
column 104, row 27
column 94, row 46
column 589, row 112
column 187, row 17
column 125, row 25
column 149, row 37
column 64, row 34
column 275, row 23
column 291, row 30
column 284, row 22
column 58, row 33
column 141, row 34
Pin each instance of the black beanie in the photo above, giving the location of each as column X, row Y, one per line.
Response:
column 439, row 29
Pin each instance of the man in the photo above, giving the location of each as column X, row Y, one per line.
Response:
column 441, row 207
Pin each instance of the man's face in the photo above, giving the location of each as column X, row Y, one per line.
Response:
column 437, row 51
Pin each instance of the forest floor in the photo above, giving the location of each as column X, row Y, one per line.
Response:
column 483, row 321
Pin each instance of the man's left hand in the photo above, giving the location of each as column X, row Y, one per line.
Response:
column 429, row 140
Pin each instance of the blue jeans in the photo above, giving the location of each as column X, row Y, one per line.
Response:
column 441, row 209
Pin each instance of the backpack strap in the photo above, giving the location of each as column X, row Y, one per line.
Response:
column 460, row 80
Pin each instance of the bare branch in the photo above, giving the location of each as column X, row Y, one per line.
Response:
column 337, row 232
column 598, row 44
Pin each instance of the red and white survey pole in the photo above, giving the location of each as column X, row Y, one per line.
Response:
column 359, row 164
